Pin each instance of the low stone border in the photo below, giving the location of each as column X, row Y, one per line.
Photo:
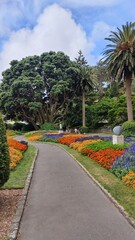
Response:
column 130, row 220
column 17, row 219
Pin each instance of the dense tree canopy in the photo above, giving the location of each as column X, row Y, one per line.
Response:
column 39, row 88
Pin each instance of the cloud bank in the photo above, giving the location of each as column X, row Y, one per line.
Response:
column 55, row 30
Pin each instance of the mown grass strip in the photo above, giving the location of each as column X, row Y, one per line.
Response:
column 19, row 174
column 123, row 194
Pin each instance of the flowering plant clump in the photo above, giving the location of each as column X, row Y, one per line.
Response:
column 68, row 139
column 34, row 137
column 53, row 137
column 15, row 157
column 105, row 157
column 10, row 133
column 17, row 145
column 75, row 144
column 83, row 138
column 101, row 145
column 80, row 145
column 28, row 134
column 125, row 163
column 129, row 179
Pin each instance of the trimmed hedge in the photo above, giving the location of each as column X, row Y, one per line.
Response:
column 4, row 154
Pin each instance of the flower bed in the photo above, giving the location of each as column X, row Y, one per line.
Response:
column 16, row 150
column 118, row 159
column 52, row 137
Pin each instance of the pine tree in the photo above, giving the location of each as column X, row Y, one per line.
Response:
column 4, row 154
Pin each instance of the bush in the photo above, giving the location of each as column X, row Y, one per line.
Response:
column 128, row 128
column 48, row 126
column 24, row 127
column 27, row 127
column 84, row 129
column 4, row 154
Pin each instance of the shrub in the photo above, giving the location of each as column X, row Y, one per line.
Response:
column 128, row 128
column 4, row 154
column 84, row 129
column 48, row 126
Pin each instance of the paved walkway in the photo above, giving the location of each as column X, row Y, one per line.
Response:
column 64, row 204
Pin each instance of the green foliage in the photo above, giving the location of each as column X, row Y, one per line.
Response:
column 97, row 113
column 105, row 144
column 108, row 112
column 84, row 129
column 119, row 56
column 118, row 112
column 4, row 154
column 27, row 127
column 48, row 126
column 38, row 88
column 128, row 128
column 119, row 172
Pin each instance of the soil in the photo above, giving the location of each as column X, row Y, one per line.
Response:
column 8, row 206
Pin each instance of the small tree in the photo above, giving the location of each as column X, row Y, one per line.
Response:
column 4, row 154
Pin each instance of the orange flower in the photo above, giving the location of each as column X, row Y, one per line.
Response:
column 105, row 157
column 17, row 145
column 15, row 157
column 68, row 139
column 129, row 179
column 34, row 137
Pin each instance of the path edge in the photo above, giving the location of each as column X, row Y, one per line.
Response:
column 121, row 209
column 21, row 204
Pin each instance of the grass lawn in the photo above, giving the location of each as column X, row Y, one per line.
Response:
column 18, row 176
column 124, row 195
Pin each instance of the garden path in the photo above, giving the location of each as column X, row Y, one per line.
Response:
column 65, row 204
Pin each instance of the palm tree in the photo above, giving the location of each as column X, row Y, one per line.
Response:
column 84, row 85
column 84, row 82
column 120, row 58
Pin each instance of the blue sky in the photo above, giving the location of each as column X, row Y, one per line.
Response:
column 29, row 27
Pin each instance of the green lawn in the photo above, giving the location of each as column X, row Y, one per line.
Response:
column 18, row 176
column 123, row 194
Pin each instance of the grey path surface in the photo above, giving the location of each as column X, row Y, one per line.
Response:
column 64, row 204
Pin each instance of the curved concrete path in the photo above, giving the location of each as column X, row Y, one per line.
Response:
column 64, row 204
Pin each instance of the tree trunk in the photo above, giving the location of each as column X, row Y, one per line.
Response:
column 128, row 98
column 83, row 109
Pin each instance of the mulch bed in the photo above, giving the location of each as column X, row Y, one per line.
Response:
column 8, row 205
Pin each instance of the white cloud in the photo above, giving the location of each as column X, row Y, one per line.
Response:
column 16, row 12
column 9, row 13
column 55, row 30
column 101, row 30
